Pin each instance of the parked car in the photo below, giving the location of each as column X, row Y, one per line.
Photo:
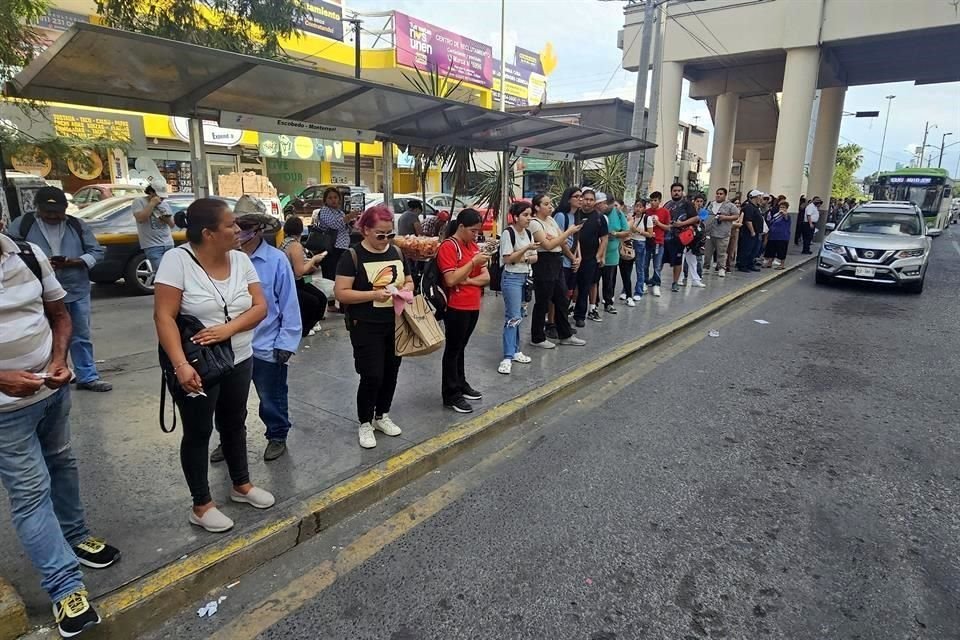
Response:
column 113, row 224
column 309, row 199
column 882, row 242
column 94, row 193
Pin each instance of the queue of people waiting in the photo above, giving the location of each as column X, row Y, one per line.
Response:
column 230, row 309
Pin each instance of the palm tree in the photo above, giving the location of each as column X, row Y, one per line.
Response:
column 611, row 176
column 488, row 190
column 563, row 177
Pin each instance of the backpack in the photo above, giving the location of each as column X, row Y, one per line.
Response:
column 431, row 283
column 496, row 266
column 30, row 259
column 28, row 221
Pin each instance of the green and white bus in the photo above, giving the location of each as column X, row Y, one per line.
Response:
column 928, row 188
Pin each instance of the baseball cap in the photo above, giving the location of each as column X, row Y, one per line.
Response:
column 50, row 199
column 160, row 188
column 754, row 193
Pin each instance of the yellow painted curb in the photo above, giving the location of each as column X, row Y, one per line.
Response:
column 148, row 601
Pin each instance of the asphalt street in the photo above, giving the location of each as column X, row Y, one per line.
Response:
column 795, row 478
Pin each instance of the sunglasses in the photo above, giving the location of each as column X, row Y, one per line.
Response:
column 385, row 236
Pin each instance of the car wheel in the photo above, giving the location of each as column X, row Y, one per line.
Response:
column 822, row 278
column 138, row 276
column 914, row 287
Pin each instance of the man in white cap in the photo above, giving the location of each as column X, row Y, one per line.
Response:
column 154, row 222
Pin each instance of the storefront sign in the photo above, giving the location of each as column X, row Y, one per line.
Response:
column 543, row 154
column 212, row 134
column 424, row 46
column 323, row 19
column 90, row 170
column 91, row 127
column 293, row 127
column 524, row 87
column 33, row 161
column 293, row 147
column 526, row 59
column 57, row 20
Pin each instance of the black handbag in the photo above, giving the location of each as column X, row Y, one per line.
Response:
column 211, row 362
column 320, row 240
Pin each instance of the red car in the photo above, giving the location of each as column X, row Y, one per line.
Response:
column 94, row 193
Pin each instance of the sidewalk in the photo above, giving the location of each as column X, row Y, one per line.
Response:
column 133, row 487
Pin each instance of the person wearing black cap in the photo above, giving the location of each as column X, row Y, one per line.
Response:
column 73, row 251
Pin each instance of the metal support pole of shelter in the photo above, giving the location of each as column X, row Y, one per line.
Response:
column 387, row 171
column 635, row 159
column 578, row 173
column 198, row 160
column 356, row 74
column 505, row 155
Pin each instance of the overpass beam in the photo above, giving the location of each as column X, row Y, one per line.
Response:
column 751, row 171
column 668, row 110
column 825, row 142
column 793, row 126
column 724, row 130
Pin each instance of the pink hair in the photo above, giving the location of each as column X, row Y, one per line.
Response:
column 373, row 215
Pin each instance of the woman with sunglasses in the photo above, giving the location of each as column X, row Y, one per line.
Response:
column 465, row 274
column 367, row 276
column 207, row 279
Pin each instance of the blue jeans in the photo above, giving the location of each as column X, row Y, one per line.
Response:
column 40, row 474
column 655, row 258
column 154, row 255
column 511, row 286
column 81, row 349
column 640, row 264
column 270, row 380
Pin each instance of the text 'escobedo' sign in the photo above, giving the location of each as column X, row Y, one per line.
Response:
column 296, row 127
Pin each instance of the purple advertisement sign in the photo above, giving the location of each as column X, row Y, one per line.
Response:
column 422, row 45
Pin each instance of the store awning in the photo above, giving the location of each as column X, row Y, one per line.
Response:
column 100, row 67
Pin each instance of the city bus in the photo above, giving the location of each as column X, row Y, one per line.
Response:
column 928, row 188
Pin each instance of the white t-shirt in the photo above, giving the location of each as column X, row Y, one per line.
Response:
column 812, row 212
column 203, row 301
column 524, row 238
column 550, row 230
column 648, row 225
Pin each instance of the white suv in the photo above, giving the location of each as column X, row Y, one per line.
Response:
column 883, row 242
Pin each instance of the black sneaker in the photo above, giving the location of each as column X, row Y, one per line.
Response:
column 580, row 323
column 552, row 332
column 609, row 308
column 594, row 315
column 96, row 554
column 74, row 614
column 217, row 455
column 459, row 405
column 275, row 449
column 472, row 394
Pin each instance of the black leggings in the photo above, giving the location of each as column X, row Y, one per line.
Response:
column 375, row 359
column 626, row 274
column 225, row 405
column 313, row 304
column 328, row 266
column 549, row 286
column 609, row 283
column 458, row 326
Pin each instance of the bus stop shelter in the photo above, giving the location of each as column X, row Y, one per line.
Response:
column 161, row 76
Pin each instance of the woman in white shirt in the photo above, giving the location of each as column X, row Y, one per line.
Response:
column 210, row 281
column 517, row 252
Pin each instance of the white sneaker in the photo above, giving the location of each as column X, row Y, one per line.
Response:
column 631, row 303
column 573, row 341
column 683, row 282
column 777, row 263
column 546, row 344
column 367, row 439
column 699, row 284
column 623, row 296
column 256, row 497
column 386, row 426
column 637, row 298
column 656, row 291
column 522, row 358
column 213, row 521
column 312, row 333
column 506, row 366
column 722, row 273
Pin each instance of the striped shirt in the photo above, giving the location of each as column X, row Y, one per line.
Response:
column 26, row 341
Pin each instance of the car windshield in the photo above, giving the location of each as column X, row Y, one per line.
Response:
column 104, row 208
column 886, row 223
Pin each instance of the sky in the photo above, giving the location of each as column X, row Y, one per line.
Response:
column 584, row 37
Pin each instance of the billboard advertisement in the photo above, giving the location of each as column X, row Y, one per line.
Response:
column 323, row 19
column 524, row 87
column 422, row 45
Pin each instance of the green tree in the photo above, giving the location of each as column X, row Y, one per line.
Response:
column 253, row 27
column 849, row 159
column 610, row 176
column 19, row 41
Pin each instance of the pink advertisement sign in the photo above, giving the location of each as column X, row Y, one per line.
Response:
column 422, row 45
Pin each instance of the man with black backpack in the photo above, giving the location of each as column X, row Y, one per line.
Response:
column 73, row 251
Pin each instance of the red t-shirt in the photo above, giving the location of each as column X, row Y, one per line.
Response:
column 463, row 297
column 663, row 216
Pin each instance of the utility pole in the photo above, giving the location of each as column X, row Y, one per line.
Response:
column 356, row 74
column 883, row 140
column 504, row 155
column 943, row 139
column 660, row 20
column 637, row 128
column 923, row 147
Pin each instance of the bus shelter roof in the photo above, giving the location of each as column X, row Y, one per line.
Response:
column 100, row 67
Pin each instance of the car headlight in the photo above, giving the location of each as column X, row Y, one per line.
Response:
column 911, row 253
column 838, row 249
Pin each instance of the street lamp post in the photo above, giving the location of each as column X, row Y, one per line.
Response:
column 943, row 139
column 356, row 22
column 883, row 140
column 923, row 147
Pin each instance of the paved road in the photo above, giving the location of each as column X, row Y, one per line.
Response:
column 796, row 479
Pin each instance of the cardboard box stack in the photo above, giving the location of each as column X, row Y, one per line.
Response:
column 235, row 185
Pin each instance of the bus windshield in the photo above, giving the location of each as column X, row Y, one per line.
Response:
column 925, row 197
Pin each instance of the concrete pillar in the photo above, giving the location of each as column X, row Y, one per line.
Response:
column 668, row 110
column 793, row 126
column 764, row 175
column 825, row 142
column 751, row 170
column 724, row 130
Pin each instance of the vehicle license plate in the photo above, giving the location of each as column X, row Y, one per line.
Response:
column 866, row 272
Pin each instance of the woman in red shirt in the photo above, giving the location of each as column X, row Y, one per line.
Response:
column 465, row 274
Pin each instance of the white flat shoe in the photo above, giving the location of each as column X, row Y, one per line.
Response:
column 256, row 497
column 213, row 521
